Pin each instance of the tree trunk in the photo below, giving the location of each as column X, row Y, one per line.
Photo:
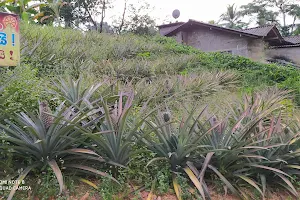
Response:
column 67, row 24
column 294, row 21
column 102, row 16
column 123, row 17
column 90, row 16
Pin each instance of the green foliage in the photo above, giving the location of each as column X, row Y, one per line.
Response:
column 139, row 21
column 136, row 170
column 186, row 189
column 248, row 148
column 45, row 141
column 130, row 57
column 23, row 89
column 174, row 144
column 113, row 137
column 105, row 120
column 232, row 18
column 46, row 185
column 26, row 9
column 164, row 179
column 284, row 77
column 74, row 92
column 109, row 189
column 175, row 47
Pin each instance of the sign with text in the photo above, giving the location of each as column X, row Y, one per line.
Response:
column 9, row 40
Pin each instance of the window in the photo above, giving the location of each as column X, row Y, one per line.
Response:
column 227, row 52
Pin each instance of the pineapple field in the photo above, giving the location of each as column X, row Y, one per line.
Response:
column 101, row 116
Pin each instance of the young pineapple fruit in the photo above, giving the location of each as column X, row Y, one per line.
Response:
column 44, row 114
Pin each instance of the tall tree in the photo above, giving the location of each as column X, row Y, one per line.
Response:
column 139, row 21
column 259, row 13
column 123, row 16
column 284, row 7
column 51, row 12
column 297, row 31
column 295, row 13
column 119, row 23
column 269, row 10
column 86, row 11
column 232, row 18
column 105, row 4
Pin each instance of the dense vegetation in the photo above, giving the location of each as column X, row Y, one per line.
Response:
column 123, row 113
column 263, row 12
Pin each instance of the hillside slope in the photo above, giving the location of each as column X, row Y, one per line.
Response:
column 140, row 95
column 56, row 51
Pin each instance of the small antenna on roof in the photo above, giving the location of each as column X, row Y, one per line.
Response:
column 176, row 14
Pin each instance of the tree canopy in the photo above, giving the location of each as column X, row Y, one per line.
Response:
column 264, row 12
column 136, row 18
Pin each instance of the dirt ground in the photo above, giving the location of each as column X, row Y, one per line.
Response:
column 143, row 195
column 84, row 192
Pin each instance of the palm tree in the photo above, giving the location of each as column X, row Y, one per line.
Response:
column 259, row 13
column 267, row 17
column 295, row 13
column 232, row 18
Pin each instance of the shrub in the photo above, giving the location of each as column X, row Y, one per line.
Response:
column 23, row 89
column 255, row 74
column 248, row 148
column 176, row 145
column 46, row 141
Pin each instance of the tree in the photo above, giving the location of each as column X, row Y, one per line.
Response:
column 25, row 9
column 232, row 18
column 297, row 31
column 119, row 22
column 259, row 13
column 51, row 12
column 66, row 13
column 85, row 12
column 139, row 21
column 295, row 12
column 213, row 22
column 105, row 4
column 284, row 7
column 123, row 17
column 268, row 11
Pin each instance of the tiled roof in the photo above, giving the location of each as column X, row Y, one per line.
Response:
column 285, row 46
column 194, row 22
column 171, row 24
column 260, row 31
column 293, row 39
column 257, row 32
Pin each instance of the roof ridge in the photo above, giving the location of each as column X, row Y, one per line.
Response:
column 218, row 26
column 263, row 26
column 240, row 30
column 191, row 21
column 291, row 36
column 172, row 24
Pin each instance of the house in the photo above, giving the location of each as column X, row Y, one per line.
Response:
column 259, row 43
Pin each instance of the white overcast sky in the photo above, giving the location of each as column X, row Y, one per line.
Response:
column 202, row 10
